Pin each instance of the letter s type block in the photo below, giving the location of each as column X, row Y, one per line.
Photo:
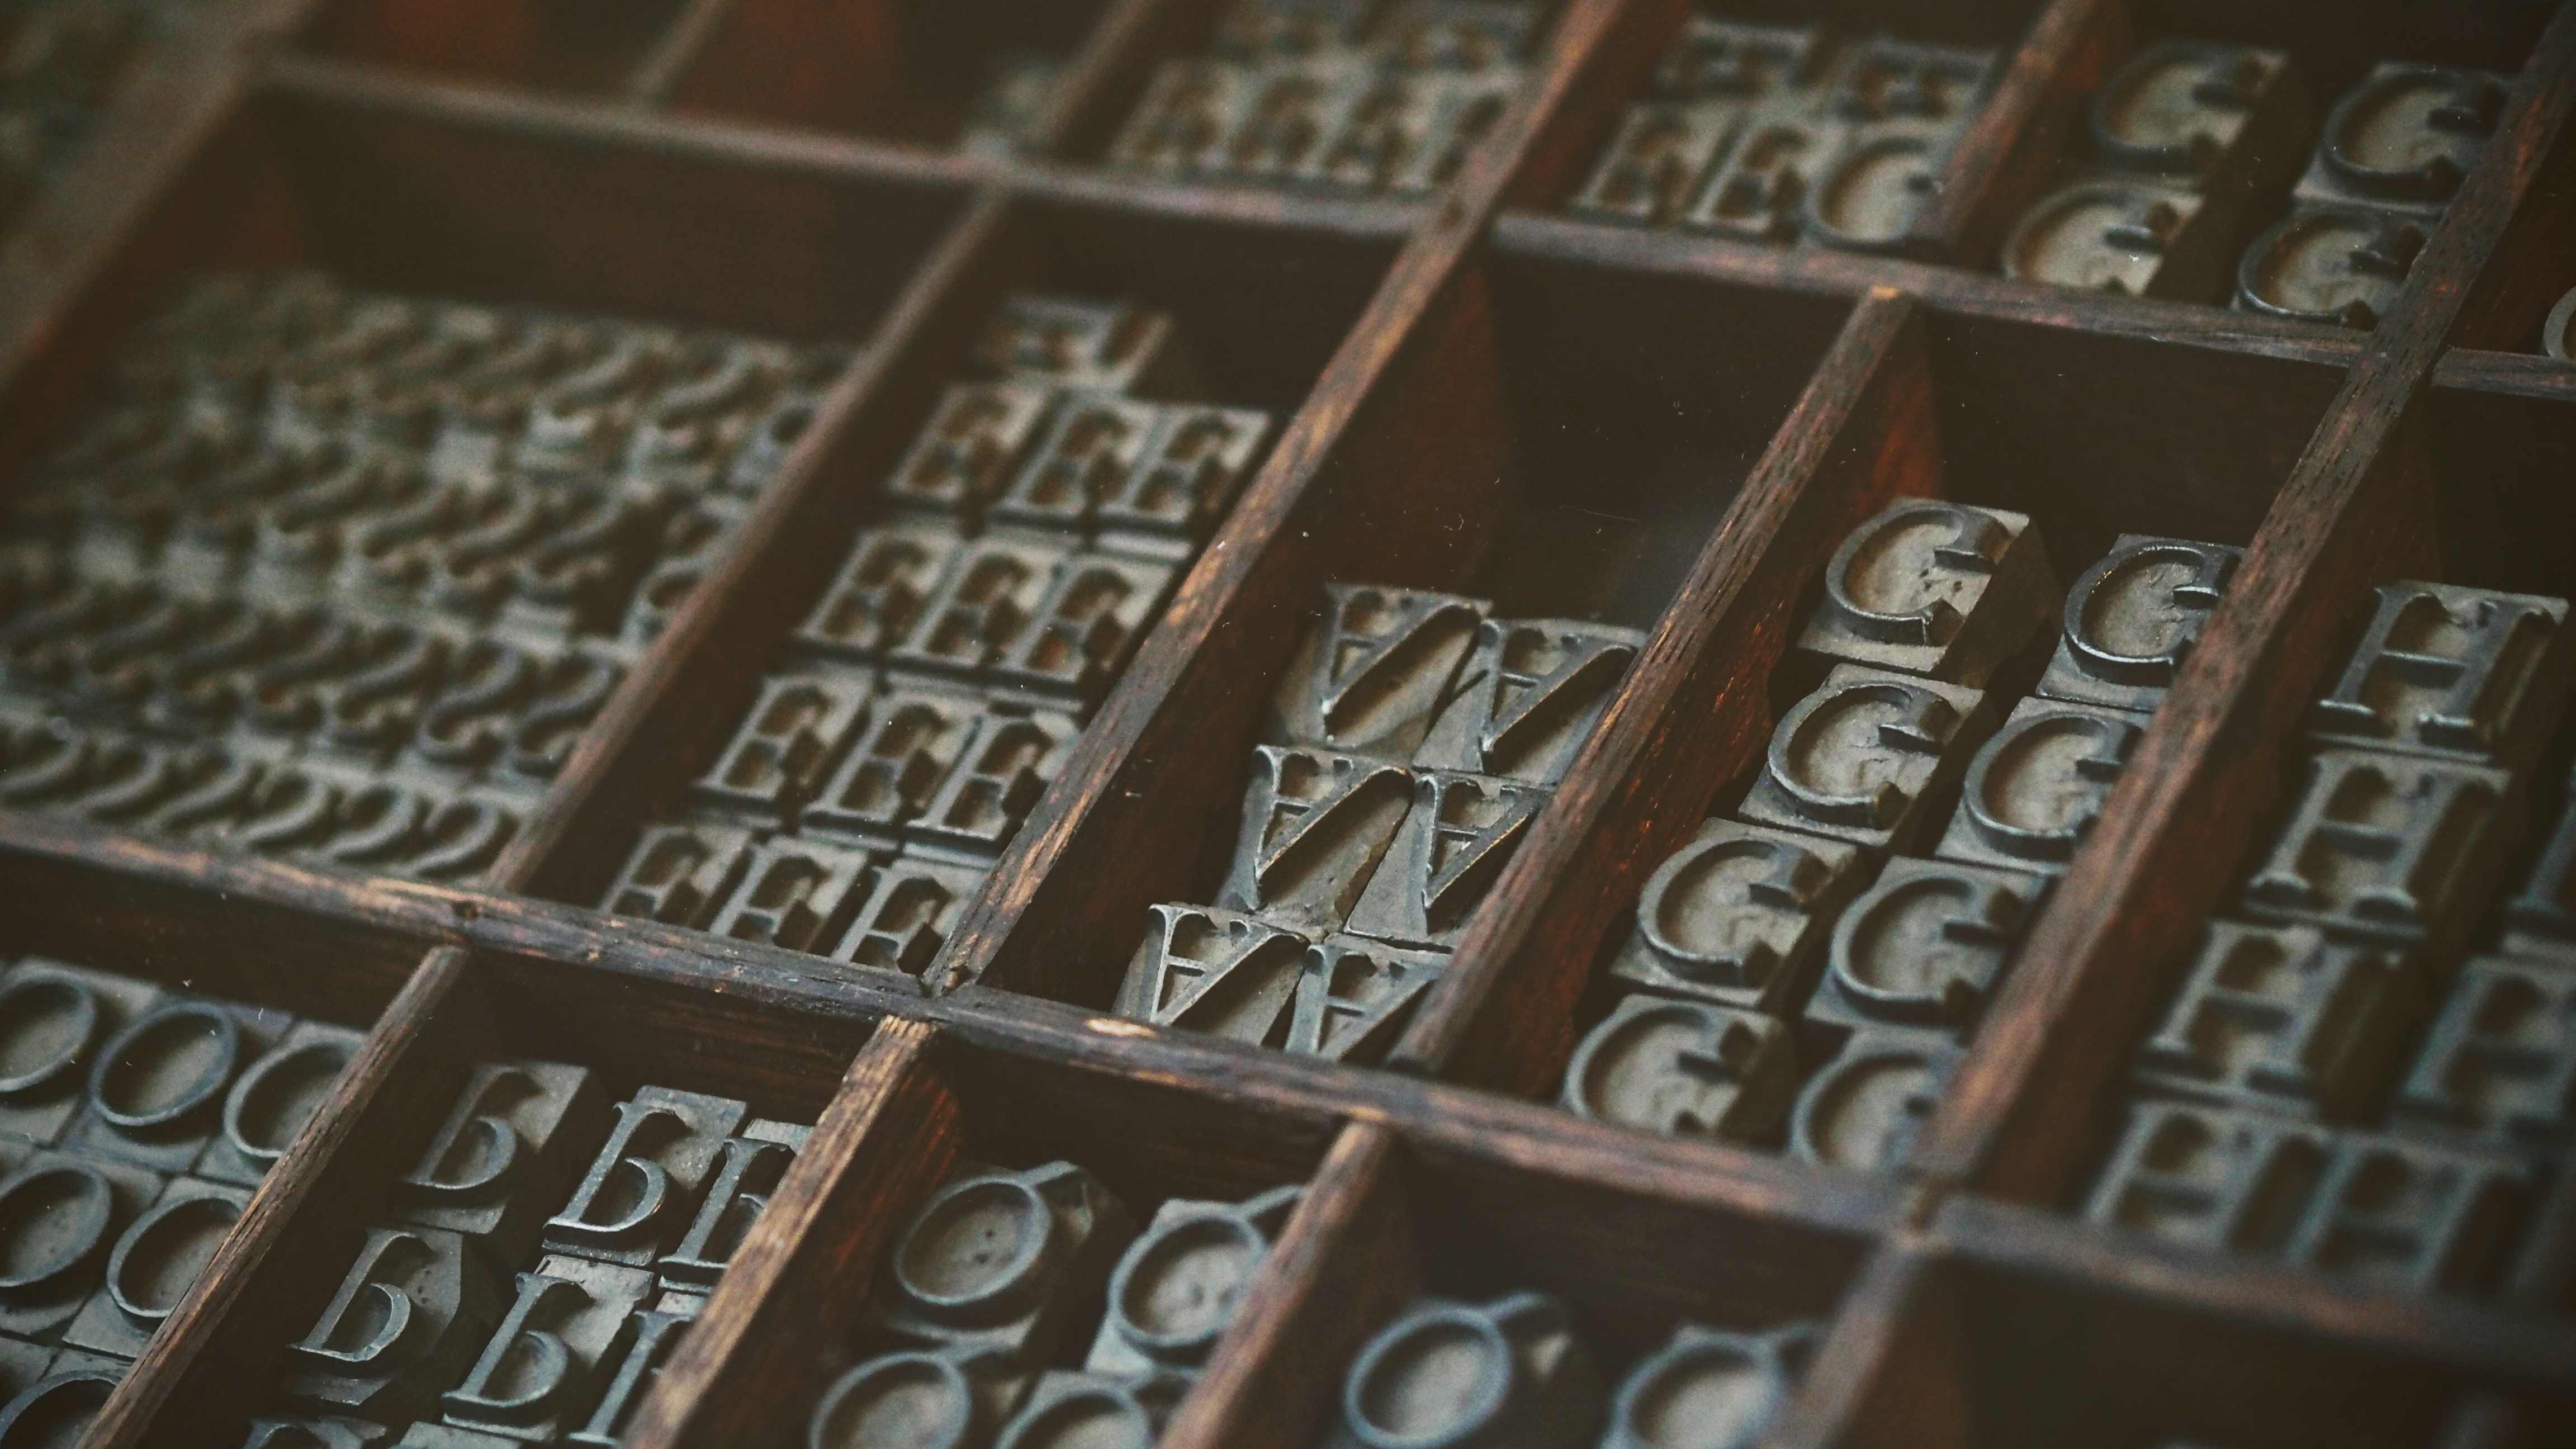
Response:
column 407, row 1319
column 1936, row 589
column 1003, row 1259
column 1509, row 1374
column 635, row 1201
column 508, row 1152
column 1862, row 756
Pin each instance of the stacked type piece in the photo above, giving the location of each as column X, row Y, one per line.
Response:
column 526, row 1279
column 135, row 1121
column 1368, row 96
column 1816, row 959
column 1015, row 558
column 345, row 575
column 2333, row 1086
column 1412, row 740
column 1514, row 1373
column 1777, row 133
column 988, row 1293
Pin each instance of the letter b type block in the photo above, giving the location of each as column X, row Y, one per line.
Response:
column 1003, row 1259
column 1935, row 589
column 409, row 1315
column 642, row 1186
column 540, row 1374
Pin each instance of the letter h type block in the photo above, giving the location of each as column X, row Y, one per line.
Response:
column 2458, row 674
column 2499, row 1066
column 2387, row 847
column 632, row 1205
column 2229, row 1181
column 1935, row 589
column 2416, row 1217
column 2283, row 1019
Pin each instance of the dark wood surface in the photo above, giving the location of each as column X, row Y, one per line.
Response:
column 1456, row 378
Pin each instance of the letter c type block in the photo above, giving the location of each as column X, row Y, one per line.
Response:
column 1685, row 1069
column 1003, row 1259
column 1858, row 758
column 1924, row 945
column 405, row 1322
column 2035, row 789
column 1738, row 917
column 1936, row 589
column 2132, row 618
column 1710, row 1388
column 1508, row 1374
column 1177, row 1287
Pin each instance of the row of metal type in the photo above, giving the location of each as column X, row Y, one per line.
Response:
column 135, row 1120
column 345, row 575
column 1008, row 567
column 2369, row 1068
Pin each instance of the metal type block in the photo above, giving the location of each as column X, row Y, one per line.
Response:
column 1758, row 190
column 1862, row 1110
column 1355, row 998
column 1860, row 757
column 929, row 1398
column 60, row 1016
column 274, row 1097
column 633, row 1205
column 1710, row 1388
column 1177, row 1287
column 2500, row 1063
column 1934, row 588
column 1507, row 1374
column 1003, row 1259
column 571, row 692
column 2034, row 790
column 1192, row 464
column 1372, row 674
column 996, row 782
column 1454, row 842
column 1872, row 184
column 156, row 1090
column 800, row 894
column 1685, row 1069
column 2461, row 674
column 2206, row 1178
column 270, row 1431
column 693, row 542
column 1202, row 969
column 60, row 1407
column 410, row 1312
column 21, row 1363
column 1739, row 917
column 2414, row 1217
column 879, row 594
column 971, row 448
column 2541, row 921
column 1735, row 60
column 2177, row 107
column 2337, row 265
column 1925, row 945
column 152, row 1265
column 1283, row 115
column 2558, row 333
column 1086, row 623
column 745, row 1177
column 1659, row 160
column 543, row 1369
column 1090, row 1411
column 426, row 1435
column 789, row 743
column 1089, row 445
column 1528, row 698
column 466, row 720
column 510, row 1149
column 906, row 922
column 2124, row 236
column 60, row 1218
column 656, row 1334
column 984, row 611
column 2280, row 1018
column 1096, row 346
column 1256, row 30
column 1455, row 35
column 1180, row 126
column 2405, row 137
column 1315, row 827
column 899, row 764
column 681, row 875
column 2387, row 846
column 1882, row 78
column 2131, row 619
column 1410, row 134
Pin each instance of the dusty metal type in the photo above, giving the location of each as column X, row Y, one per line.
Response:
column 1685, row 1068
column 1739, row 916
